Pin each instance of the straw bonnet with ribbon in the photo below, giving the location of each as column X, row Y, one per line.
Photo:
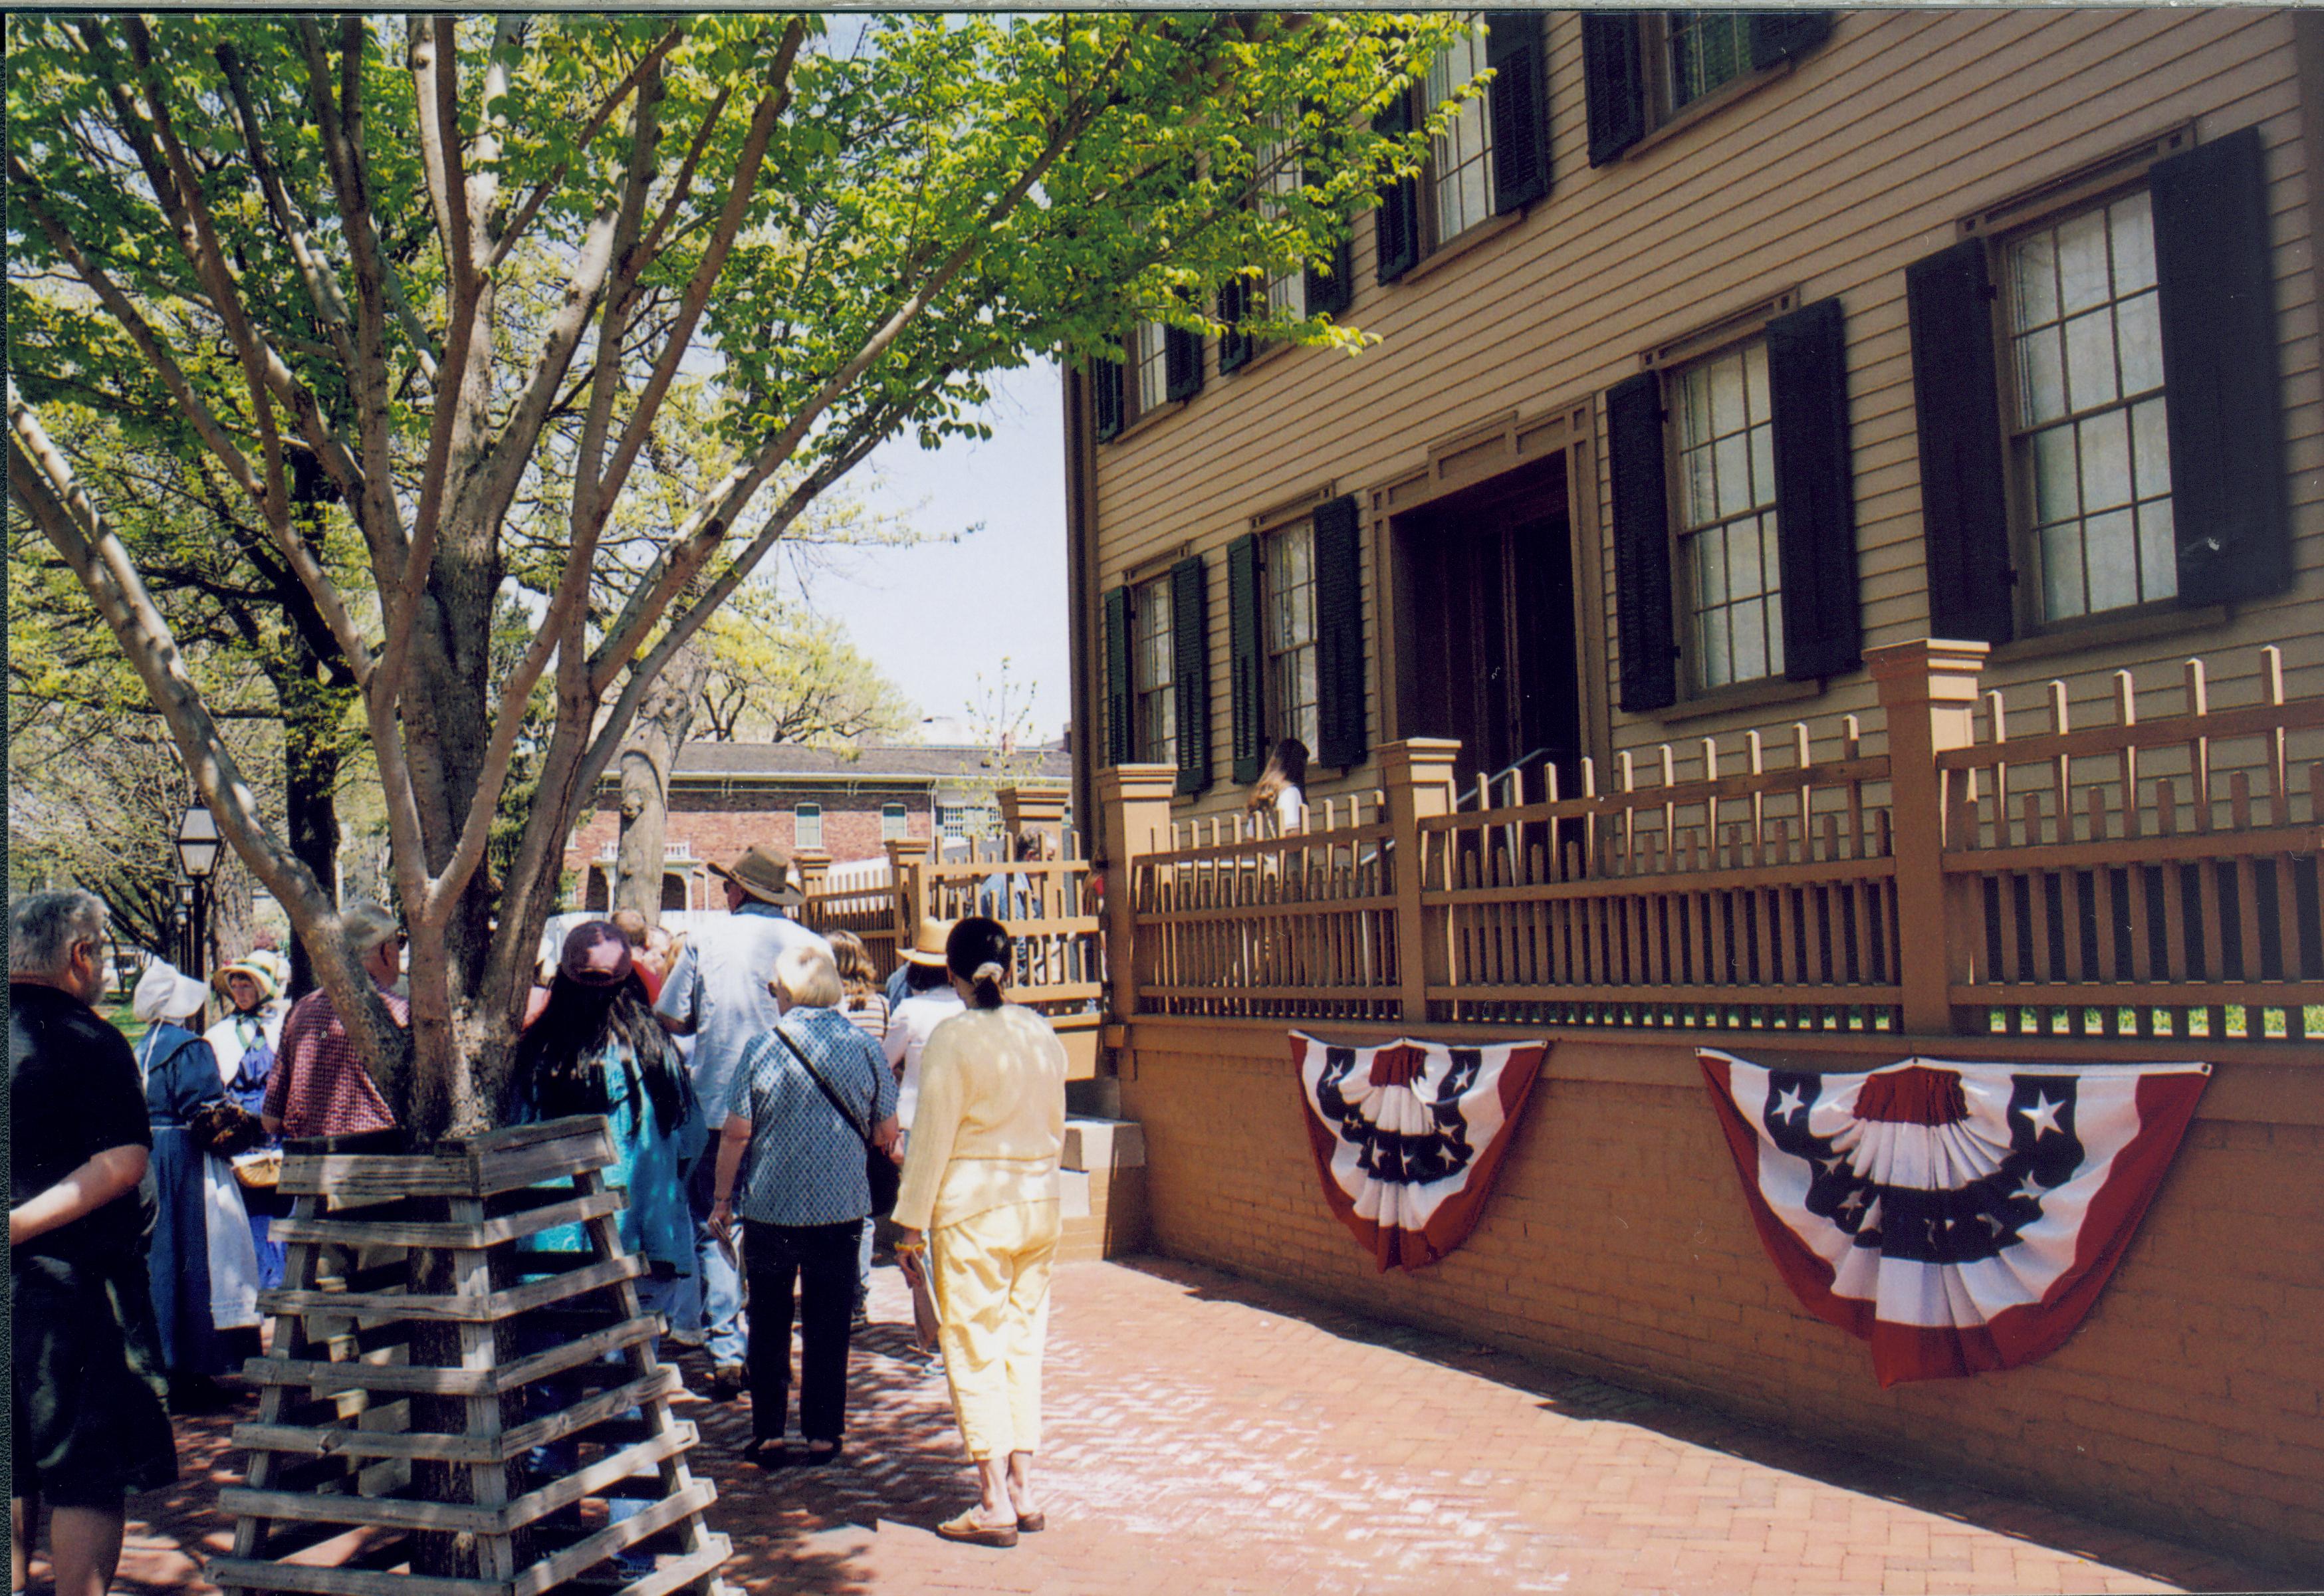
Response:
column 162, row 993
column 764, row 872
column 928, row 947
column 269, row 984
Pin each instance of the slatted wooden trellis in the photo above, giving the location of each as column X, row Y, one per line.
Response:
column 424, row 1348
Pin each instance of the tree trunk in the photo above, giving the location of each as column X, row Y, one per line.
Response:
column 645, row 761
column 310, row 779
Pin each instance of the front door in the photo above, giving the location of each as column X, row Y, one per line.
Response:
column 1489, row 591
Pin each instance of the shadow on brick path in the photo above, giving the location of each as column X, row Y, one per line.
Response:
column 1208, row 1434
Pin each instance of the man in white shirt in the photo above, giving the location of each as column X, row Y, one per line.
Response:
column 717, row 993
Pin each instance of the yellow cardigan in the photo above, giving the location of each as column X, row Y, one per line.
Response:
column 991, row 1122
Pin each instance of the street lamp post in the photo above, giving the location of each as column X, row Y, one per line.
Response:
column 198, row 855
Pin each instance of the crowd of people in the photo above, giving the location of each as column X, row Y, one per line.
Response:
column 772, row 1108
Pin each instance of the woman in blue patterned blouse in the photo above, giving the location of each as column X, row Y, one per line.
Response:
column 808, row 1093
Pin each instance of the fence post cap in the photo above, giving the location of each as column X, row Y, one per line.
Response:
column 1926, row 655
column 1135, row 783
column 1417, row 758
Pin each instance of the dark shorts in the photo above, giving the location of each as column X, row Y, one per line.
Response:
column 90, row 1429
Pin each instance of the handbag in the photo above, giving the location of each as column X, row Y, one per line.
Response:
column 880, row 1172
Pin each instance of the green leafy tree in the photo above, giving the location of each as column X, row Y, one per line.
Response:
column 465, row 264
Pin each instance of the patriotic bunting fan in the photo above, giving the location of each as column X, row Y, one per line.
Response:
column 1961, row 1217
column 1407, row 1136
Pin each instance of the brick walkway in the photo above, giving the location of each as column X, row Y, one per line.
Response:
column 1207, row 1435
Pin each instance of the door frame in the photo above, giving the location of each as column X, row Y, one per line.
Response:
column 1472, row 458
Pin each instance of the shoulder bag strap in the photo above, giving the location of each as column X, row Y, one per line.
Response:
column 817, row 1076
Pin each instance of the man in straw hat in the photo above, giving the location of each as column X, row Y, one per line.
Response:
column 717, row 993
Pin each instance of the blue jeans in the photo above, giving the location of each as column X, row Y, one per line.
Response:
column 714, row 1301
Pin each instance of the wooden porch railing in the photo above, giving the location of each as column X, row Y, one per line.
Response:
column 2154, row 878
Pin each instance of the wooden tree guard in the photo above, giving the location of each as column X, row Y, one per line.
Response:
column 393, row 1428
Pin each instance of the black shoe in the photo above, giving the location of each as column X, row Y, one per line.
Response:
column 766, row 1451
column 819, row 1453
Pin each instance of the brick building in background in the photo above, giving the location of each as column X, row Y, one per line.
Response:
column 846, row 803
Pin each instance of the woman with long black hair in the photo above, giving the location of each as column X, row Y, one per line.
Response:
column 978, row 1216
column 595, row 1048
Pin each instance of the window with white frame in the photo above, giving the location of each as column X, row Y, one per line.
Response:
column 1279, row 178
column 895, row 823
column 1287, row 574
column 1149, row 367
column 1460, row 165
column 1726, row 520
column 2089, row 453
column 1156, row 712
column 807, row 825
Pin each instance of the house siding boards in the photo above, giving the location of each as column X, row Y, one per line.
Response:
column 1828, row 178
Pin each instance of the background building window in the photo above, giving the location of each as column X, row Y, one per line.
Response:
column 1289, row 576
column 2089, row 442
column 895, row 824
column 1728, row 547
column 1460, row 174
column 1156, row 722
column 807, row 822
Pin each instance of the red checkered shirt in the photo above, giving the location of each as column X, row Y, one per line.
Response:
column 319, row 1086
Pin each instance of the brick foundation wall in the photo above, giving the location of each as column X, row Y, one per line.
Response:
column 1616, row 1242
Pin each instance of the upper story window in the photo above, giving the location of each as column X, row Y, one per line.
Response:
column 1461, row 158
column 1154, row 734
column 1279, row 178
column 1645, row 69
column 807, row 821
column 1313, row 289
column 2098, row 389
column 895, row 823
column 2089, row 443
column 1724, row 442
column 1162, row 365
column 1149, row 366
column 1287, row 574
column 1492, row 158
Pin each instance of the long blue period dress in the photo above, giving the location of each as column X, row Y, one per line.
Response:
column 181, row 1079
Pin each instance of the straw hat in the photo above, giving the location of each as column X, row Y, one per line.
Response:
column 269, row 985
column 764, row 872
column 162, row 993
column 928, row 947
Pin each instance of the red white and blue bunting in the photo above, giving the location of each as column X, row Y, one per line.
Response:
column 1407, row 1136
column 1961, row 1217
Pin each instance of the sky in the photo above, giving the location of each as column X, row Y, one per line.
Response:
column 989, row 586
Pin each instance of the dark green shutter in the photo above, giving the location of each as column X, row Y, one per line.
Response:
column 1105, row 397
column 1190, row 672
column 1182, row 362
column 1642, row 544
column 1519, row 103
column 1816, row 499
column 1120, row 746
column 2214, row 271
column 1235, row 343
column 1613, row 81
column 1779, row 35
column 1246, row 660
column 1957, row 399
column 1396, row 223
column 1339, row 634
column 1328, row 293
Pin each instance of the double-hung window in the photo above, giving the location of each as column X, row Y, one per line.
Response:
column 1642, row 71
column 806, row 824
column 1734, row 508
column 1160, row 366
column 1491, row 157
column 1287, row 575
column 1728, row 540
column 2090, row 442
column 895, row 823
column 1157, row 678
column 2095, row 372
column 1155, row 711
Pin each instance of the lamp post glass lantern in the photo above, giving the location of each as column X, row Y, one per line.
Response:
column 198, row 856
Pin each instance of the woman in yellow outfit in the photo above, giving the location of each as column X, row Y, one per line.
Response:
column 978, row 1210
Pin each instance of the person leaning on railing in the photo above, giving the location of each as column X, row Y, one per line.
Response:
column 978, row 1218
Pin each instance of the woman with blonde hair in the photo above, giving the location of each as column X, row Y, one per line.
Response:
column 1279, row 795
column 978, row 1217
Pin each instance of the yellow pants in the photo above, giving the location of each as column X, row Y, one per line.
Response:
column 992, row 1278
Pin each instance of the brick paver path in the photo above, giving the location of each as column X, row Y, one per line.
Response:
column 1207, row 1435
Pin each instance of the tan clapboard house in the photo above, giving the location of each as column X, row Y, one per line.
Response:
column 1715, row 349
column 1845, row 486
